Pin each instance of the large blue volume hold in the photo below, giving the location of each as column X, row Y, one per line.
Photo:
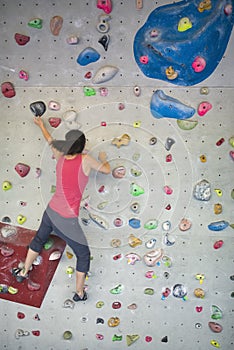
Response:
column 164, row 106
column 185, row 37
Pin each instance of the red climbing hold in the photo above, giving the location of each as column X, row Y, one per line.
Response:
column 36, row 333
column 105, row 5
column 20, row 315
column 21, row 39
column 8, row 89
column 54, row 122
column 33, row 286
column 22, row 169
column 218, row 244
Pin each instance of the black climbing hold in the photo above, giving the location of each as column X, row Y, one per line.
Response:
column 104, row 41
column 164, row 339
column 6, row 219
column 38, row 108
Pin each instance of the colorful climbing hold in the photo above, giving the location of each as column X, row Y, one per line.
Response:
column 184, row 24
column 72, row 40
column 67, row 335
column 121, row 141
column 218, row 225
column 153, row 257
column 199, row 64
column 117, row 289
column 6, row 185
column 151, row 224
column 217, row 313
column 218, row 244
column 200, row 277
column 185, row 224
column 56, row 24
column 220, row 142
column 199, row 293
column 134, row 241
column 164, row 106
column 119, row 172
column 117, row 337
column 54, row 121
column 22, row 169
column 8, row 89
column 186, row 124
column 168, row 190
column 21, row 219
column 105, row 5
column 169, row 143
column 54, row 105
column 101, row 222
column 179, row 291
column 21, row 39
column 35, row 23
column 113, row 321
column 134, row 223
column 215, row 327
column 23, row 75
column 215, row 343
column 131, row 338
column 136, row 190
column 150, row 243
column 203, row 108
column 132, row 258
column 204, row 5
column 171, row 73
column 149, row 291
column 48, row 244
column 87, row 56
column 218, row 208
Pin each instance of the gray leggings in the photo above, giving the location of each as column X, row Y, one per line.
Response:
column 69, row 230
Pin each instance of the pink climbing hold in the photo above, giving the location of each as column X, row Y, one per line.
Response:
column 23, row 75
column 203, row 108
column 220, row 142
column 199, row 64
column 104, row 5
column 21, row 39
column 168, row 190
column 168, row 158
column 22, row 169
column 144, row 59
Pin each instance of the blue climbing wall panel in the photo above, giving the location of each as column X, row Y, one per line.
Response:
column 164, row 156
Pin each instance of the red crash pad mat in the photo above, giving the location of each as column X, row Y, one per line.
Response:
column 41, row 275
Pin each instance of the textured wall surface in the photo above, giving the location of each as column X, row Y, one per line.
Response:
column 54, row 75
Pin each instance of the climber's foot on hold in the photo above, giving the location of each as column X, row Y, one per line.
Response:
column 18, row 274
column 78, row 297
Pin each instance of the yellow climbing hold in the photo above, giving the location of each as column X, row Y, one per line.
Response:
column 184, row 24
column 12, row 290
column 131, row 338
column 215, row 343
column 219, row 192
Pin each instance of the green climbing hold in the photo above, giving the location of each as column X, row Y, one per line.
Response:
column 231, row 141
column 67, row 335
column 88, row 91
column 131, row 338
column 151, row 224
column 117, row 337
column 117, row 290
column 186, row 124
column 136, row 190
column 99, row 304
column 53, row 189
column 149, row 291
column 48, row 244
column 217, row 313
column 35, row 23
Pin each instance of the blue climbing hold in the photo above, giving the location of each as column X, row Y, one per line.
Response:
column 218, row 225
column 134, row 223
column 164, row 106
column 167, row 47
column 87, row 56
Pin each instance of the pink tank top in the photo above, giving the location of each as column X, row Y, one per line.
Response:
column 70, row 185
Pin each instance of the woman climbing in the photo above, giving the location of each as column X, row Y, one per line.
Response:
column 61, row 215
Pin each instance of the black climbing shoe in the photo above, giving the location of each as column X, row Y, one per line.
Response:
column 16, row 273
column 78, row 298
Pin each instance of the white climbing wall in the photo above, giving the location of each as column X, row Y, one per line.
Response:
column 54, row 74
